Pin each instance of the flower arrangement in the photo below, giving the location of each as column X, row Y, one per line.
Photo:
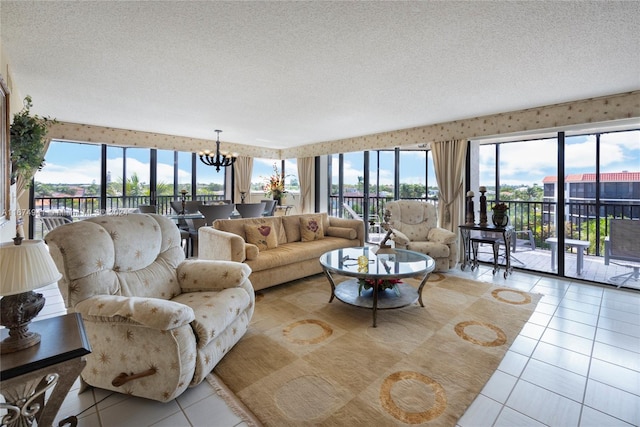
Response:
column 383, row 284
column 274, row 184
column 500, row 207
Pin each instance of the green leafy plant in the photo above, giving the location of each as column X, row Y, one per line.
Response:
column 27, row 141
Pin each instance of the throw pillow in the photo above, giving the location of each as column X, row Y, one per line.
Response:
column 344, row 232
column 262, row 235
column 311, row 228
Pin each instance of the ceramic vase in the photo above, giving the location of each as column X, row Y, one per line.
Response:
column 500, row 218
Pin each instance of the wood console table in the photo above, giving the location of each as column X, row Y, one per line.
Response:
column 49, row 367
column 505, row 232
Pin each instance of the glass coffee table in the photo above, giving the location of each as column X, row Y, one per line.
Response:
column 375, row 282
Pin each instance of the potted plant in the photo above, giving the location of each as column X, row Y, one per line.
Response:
column 27, row 141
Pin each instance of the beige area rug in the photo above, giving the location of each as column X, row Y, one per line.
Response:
column 305, row 361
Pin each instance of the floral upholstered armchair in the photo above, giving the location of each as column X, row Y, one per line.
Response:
column 414, row 225
column 157, row 323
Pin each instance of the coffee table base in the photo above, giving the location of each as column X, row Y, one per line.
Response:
column 347, row 292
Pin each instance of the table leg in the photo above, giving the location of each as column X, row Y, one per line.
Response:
column 332, row 283
column 466, row 248
column 25, row 395
column 474, row 262
column 580, row 260
column 424, row 282
column 496, row 253
column 375, row 303
column 506, row 235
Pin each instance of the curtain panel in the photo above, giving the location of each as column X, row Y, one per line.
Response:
column 242, row 170
column 448, row 160
column 306, row 172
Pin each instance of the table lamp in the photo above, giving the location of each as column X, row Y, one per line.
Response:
column 23, row 267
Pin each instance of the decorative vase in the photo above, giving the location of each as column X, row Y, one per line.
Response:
column 500, row 218
column 277, row 195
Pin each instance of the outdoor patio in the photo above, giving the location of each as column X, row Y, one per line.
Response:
column 539, row 260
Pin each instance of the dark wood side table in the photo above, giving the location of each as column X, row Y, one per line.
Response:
column 52, row 365
column 467, row 240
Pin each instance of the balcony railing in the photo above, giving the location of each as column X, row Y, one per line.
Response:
column 87, row 206
column 539, row 217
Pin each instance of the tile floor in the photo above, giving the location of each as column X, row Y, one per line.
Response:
column 575, row 363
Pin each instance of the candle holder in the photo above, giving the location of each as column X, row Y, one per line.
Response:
column 183, row 199
column 470, row 216
column 483, row 207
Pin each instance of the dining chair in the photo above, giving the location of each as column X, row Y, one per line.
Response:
column 190, row 206
column 250, row 210
column 213, row 212
column 269, row 207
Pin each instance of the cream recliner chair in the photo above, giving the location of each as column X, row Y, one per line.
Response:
column 157, row 324
column 414, row 225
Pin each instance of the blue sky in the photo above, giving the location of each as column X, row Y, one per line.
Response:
column 521, row 163
column 529, row 162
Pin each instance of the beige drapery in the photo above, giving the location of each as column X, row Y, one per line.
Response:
column 306, row 172
column 448, row 160
column 242, row 170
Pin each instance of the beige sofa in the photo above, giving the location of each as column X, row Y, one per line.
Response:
column 281, row 248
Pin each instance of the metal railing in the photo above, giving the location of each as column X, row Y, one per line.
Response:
column 87, row 206
column 579, row 222
column 539, row 217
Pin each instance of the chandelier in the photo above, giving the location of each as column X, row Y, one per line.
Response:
column 219, row 159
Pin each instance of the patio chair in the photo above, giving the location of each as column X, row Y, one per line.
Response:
column 623, row 245
column 51, row 222
column 518, row 242
column 374, row 226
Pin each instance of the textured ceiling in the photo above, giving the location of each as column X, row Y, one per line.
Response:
column 285, row 74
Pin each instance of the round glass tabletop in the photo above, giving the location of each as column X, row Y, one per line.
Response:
column 400, row 263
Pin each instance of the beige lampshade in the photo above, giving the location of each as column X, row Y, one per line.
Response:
column 26, row 267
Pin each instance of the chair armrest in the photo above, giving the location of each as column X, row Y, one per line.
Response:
column 152, row 313
column 208, row 275
column 442, row 235
column 214, row 244
column 399, row 238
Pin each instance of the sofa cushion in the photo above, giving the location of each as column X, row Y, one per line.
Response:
column 433, row 249
column 236, row 226
column 291, row 225
column 285, row 256
column 311, row 228
column 262, row 235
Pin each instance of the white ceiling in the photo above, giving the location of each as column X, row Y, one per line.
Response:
column 284, row 74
